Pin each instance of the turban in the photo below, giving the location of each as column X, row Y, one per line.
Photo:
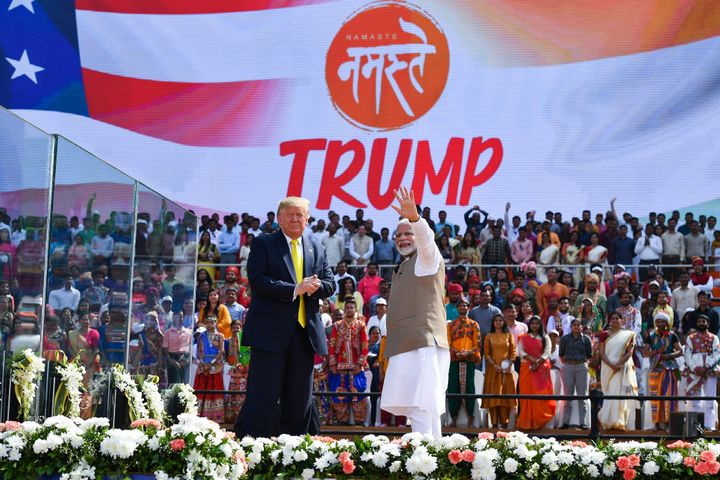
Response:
column 454, row 288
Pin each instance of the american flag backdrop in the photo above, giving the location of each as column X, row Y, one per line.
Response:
column 206, row 100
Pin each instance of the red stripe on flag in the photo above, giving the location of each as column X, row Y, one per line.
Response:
column 183, row 7
column 231, row 114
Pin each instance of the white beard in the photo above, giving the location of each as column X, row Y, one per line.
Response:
column 407, row 251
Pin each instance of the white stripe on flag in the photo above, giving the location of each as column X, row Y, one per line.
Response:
column 209, row 48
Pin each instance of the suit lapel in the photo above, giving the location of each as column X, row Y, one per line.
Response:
column 308, row 256
column 285, row 253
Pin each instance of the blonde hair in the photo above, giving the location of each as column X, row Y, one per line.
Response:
column 300, row 202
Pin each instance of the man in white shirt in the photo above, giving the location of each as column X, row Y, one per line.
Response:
column 334, row 245
column 320, row 232
column 710, row 232
column 66, row 297
column 102, row 246
column 417, row 347
column 684, row 297
column 17, row 234
column 75, row 227
column 673, row 243
column 512, row 229
column 379, row 320
column 361, row 247
column 649, row 249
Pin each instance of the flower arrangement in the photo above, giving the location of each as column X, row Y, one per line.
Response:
column 509, row 456
column 27, row 368
column 77, row 449
column 125, row 383
column 153, row 399
column 69, row 393
column 180, row 399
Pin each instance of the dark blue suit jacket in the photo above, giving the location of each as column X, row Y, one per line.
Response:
column 272, row 315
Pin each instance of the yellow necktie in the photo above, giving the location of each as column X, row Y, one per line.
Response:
column 297, row 261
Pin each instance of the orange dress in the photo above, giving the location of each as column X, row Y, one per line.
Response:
column 534, row 414
column 499, row 347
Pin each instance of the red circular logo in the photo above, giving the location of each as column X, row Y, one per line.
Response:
column 387, row 66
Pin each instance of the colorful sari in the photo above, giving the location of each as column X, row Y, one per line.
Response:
column 534, row 414
column 210, row 377
column 239, row 359
column 86, row 347
column 614, row 414
column 663, row 376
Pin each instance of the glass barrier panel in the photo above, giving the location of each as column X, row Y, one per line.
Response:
column 91, row 241
column 163, row 288
column 25, row 171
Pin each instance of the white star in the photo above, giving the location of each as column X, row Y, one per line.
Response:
column 24, row 67
column 22, row 3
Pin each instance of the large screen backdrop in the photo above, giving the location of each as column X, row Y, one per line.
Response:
column 228, row 106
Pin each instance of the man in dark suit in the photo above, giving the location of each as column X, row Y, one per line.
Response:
column 289, row 275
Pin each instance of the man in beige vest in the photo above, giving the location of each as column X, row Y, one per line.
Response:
column 417, row 343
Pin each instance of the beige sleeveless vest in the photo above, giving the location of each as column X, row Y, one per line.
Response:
column 416, row 315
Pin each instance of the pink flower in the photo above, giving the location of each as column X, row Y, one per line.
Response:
column 229, row 435
column 634, row 460
column 323, row 439
column 701, row 468
column 146, row 422
column 10, row 426
column 622, row 463
column 468, row 456
column 689, row 462
column 177, row 444
column 713, row 467
column 629, row 474
column 344, row 457
column 486, row 435
column 502, row 434
column 348, row 467
column 578, row 443
column 679, row 444
column 455, row 457
column 707, row 456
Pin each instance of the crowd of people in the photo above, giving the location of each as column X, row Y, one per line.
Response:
column 533, row 307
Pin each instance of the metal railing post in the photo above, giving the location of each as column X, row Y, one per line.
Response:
column 596, row 396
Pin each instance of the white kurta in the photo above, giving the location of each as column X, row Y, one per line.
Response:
column 417, row 380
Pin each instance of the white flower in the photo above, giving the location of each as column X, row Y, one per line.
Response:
column 300, row 455
column 650, row 468
column 366, row 457
column 154, row 443
column 609, row 469
column 565, row 458
column 254, row 458
column 307, row 474
column 14, row 456
column 380, row 459
column 122, row 443
column 395, row 466
column 94, row 422
column 510, row 465
column 675, row 458
column 593, row 471
column 321, row 463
